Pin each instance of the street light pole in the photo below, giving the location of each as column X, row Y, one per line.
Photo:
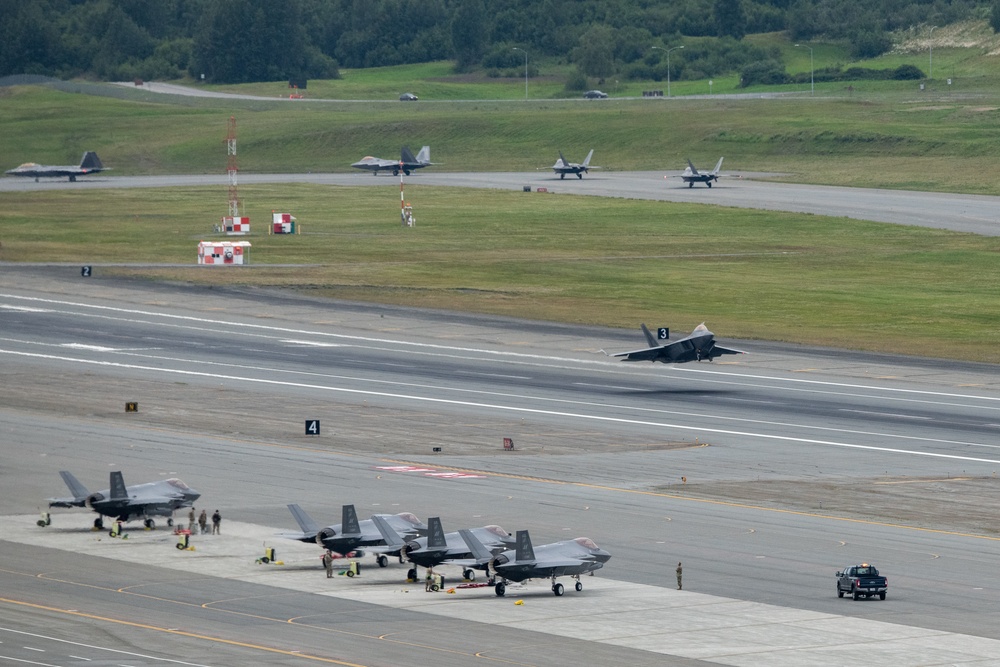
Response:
column 930, row 74
column 812, row 78
column 525, row 72
column 668, row 66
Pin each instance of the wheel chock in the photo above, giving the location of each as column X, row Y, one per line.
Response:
column 519, row 603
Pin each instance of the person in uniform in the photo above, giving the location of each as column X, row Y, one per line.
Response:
column 216, row 523
column 203, row 522
column 679, row 571
column 191, row 517
column 328, row 564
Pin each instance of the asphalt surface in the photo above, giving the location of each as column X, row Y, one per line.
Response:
column 226, row 379
column 974, row 214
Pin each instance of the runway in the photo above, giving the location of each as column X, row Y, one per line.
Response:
column 656, row 464
column 974, row 214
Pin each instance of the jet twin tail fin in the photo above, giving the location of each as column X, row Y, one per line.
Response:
column 350, row 521
column 649, row 336
column 524, row 550
column 389, row 534
column 118, row 490
column 424, row 156
column 406, row 155
column 305, row 521
column 586, row 163
column 91, row 161
column 435, row 534
column 718, row 166
column 478, row 549
column 78, row 490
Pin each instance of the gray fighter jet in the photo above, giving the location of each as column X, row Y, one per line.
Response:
column 698, row 346
column 90, row 164
column 692, row 175
column 346, row 537
column 567, row 558
column 406, row 162
column 125, row 503
column 440, row 547
column 562, row 167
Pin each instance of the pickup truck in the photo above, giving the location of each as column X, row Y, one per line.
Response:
column 861, row 581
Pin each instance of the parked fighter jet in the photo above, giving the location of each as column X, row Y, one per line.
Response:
column 132, row 502
column 440, row 547
column 90, row 164
column 567, row 558
column 347, row 536
column 562, row 167
column 692, row 175
column 695, row 347
column 406, row 162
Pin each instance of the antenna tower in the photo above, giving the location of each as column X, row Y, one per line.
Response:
column 234, row 196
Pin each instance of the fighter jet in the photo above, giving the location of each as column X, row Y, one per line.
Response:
column 90, row 164
column 692, row 175
column 127, row 503
column 562, row 167
column 440, row 547
column 406, row 162
column 567, row 558
column 698, row 346
column 345, row 537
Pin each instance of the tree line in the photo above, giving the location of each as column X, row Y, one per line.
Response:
column 237, row 41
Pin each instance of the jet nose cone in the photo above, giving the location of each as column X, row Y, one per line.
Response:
column 192, row 495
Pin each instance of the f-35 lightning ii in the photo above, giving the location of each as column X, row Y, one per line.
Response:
column 346, row 537
column 567, row 558
column 562, row 167
column 125, row 503
column 692, row 175
column 440, row 547
column 699, row 345
column 90, row 164
column 406, row 162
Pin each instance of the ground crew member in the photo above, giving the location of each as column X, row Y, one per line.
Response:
column 429, row 580
column 679, row 576
column 203, row 522
column 216, row 522
column 191, row 518
column 328, row 564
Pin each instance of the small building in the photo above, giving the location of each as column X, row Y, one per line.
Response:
column 282, row 223
column 224, row 252
column 235, row 226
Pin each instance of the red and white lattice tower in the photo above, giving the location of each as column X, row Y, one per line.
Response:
column 234, row 197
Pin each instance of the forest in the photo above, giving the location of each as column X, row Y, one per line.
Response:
column 239, row 41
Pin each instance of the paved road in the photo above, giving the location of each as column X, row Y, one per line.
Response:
column 226, row 379
column 975, row 214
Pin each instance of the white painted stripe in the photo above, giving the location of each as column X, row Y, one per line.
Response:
column 100, row 648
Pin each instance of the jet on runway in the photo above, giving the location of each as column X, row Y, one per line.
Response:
column 567, row 558
column 347, row 536
column 692, row 175
column 562, row 167
column 440, row 547
column 125, row 503
column 406, row 162
column 695, row 347
column 90, row 164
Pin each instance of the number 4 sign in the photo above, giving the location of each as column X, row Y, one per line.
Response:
column 312, row 427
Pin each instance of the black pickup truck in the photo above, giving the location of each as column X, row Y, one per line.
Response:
column 861, row 581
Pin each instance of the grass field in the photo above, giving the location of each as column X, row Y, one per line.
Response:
column 749, row 274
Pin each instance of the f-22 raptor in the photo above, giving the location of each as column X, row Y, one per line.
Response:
column 548, row 561
column 562, row 167
column 692, row 175
column 698, row 346
column 346, row 537
column 90, row 164
column 125, row 503
column 406, row 162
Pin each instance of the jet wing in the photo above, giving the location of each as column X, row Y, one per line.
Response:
column 649, row 354
column 66, row 502
column 726, row 350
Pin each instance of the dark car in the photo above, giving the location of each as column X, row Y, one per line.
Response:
column 408, row 97
column 861, row 581
column 595, row 95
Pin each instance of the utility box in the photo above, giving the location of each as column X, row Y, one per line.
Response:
column 224, row 252
column 235, row 226
column 282, row 223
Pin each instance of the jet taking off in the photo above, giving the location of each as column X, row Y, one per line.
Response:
column 90, row 164
column 559, row 559
column 562, row 167
column 440, row 547
column 695, row 347
column 132, row 502
column 406, row 162
column 692, row 175
column 347, row 536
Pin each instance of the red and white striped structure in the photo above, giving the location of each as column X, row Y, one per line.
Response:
column 282, row 223
column 224, row 252
column 405, row 210
column 234, row 224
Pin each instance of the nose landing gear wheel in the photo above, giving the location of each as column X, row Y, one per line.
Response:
column 579, row 586
column 470, row 575
column 148, row 523
column 500, row 589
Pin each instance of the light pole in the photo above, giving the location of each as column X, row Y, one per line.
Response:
column 930, row 74
column 668, row 66
column 812, row 79
column 525, row 72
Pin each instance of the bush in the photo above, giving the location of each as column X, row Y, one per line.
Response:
column 907, row 73
column 576, row 81
column 766, row 72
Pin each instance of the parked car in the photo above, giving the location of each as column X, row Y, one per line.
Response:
column 408, row 97
column 595, row 95
column 861, row 581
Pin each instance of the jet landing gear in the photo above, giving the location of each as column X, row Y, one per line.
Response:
column 99, row 523
column 149, row 523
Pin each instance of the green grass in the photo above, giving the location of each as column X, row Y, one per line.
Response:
column 749, row 274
